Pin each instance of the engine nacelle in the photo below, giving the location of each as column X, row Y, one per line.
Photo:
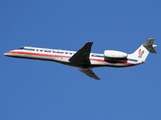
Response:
column 114, row 54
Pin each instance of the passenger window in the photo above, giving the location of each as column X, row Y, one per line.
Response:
column 95, row 55
column 47, row 51
column 53, row 51
column 37, row 50
column 41, row 50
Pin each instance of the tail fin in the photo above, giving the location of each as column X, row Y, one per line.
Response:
column 143, row 51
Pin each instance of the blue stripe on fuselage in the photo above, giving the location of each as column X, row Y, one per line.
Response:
column 132, row 60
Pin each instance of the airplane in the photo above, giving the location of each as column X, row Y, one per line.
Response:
column 83, row 59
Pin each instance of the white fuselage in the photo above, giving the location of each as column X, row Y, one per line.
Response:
column 63, row 56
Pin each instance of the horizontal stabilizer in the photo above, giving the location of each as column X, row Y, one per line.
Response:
column 149, row 45
column 152, row 50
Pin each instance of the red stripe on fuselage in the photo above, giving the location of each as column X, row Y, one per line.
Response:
column 49, row 55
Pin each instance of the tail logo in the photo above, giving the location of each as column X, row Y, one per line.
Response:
column 140, row 53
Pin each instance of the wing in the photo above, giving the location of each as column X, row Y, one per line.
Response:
column 82, row 55
column 88, row 72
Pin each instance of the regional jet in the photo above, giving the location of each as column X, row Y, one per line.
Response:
column 83, row 59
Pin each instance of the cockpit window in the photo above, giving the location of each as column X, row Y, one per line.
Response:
column 22, row 48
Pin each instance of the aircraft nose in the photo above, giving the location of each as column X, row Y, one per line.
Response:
column 5, row 54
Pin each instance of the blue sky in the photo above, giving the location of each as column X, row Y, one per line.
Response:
column 32, row 90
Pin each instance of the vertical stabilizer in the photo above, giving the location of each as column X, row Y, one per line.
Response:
column 143, row 51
